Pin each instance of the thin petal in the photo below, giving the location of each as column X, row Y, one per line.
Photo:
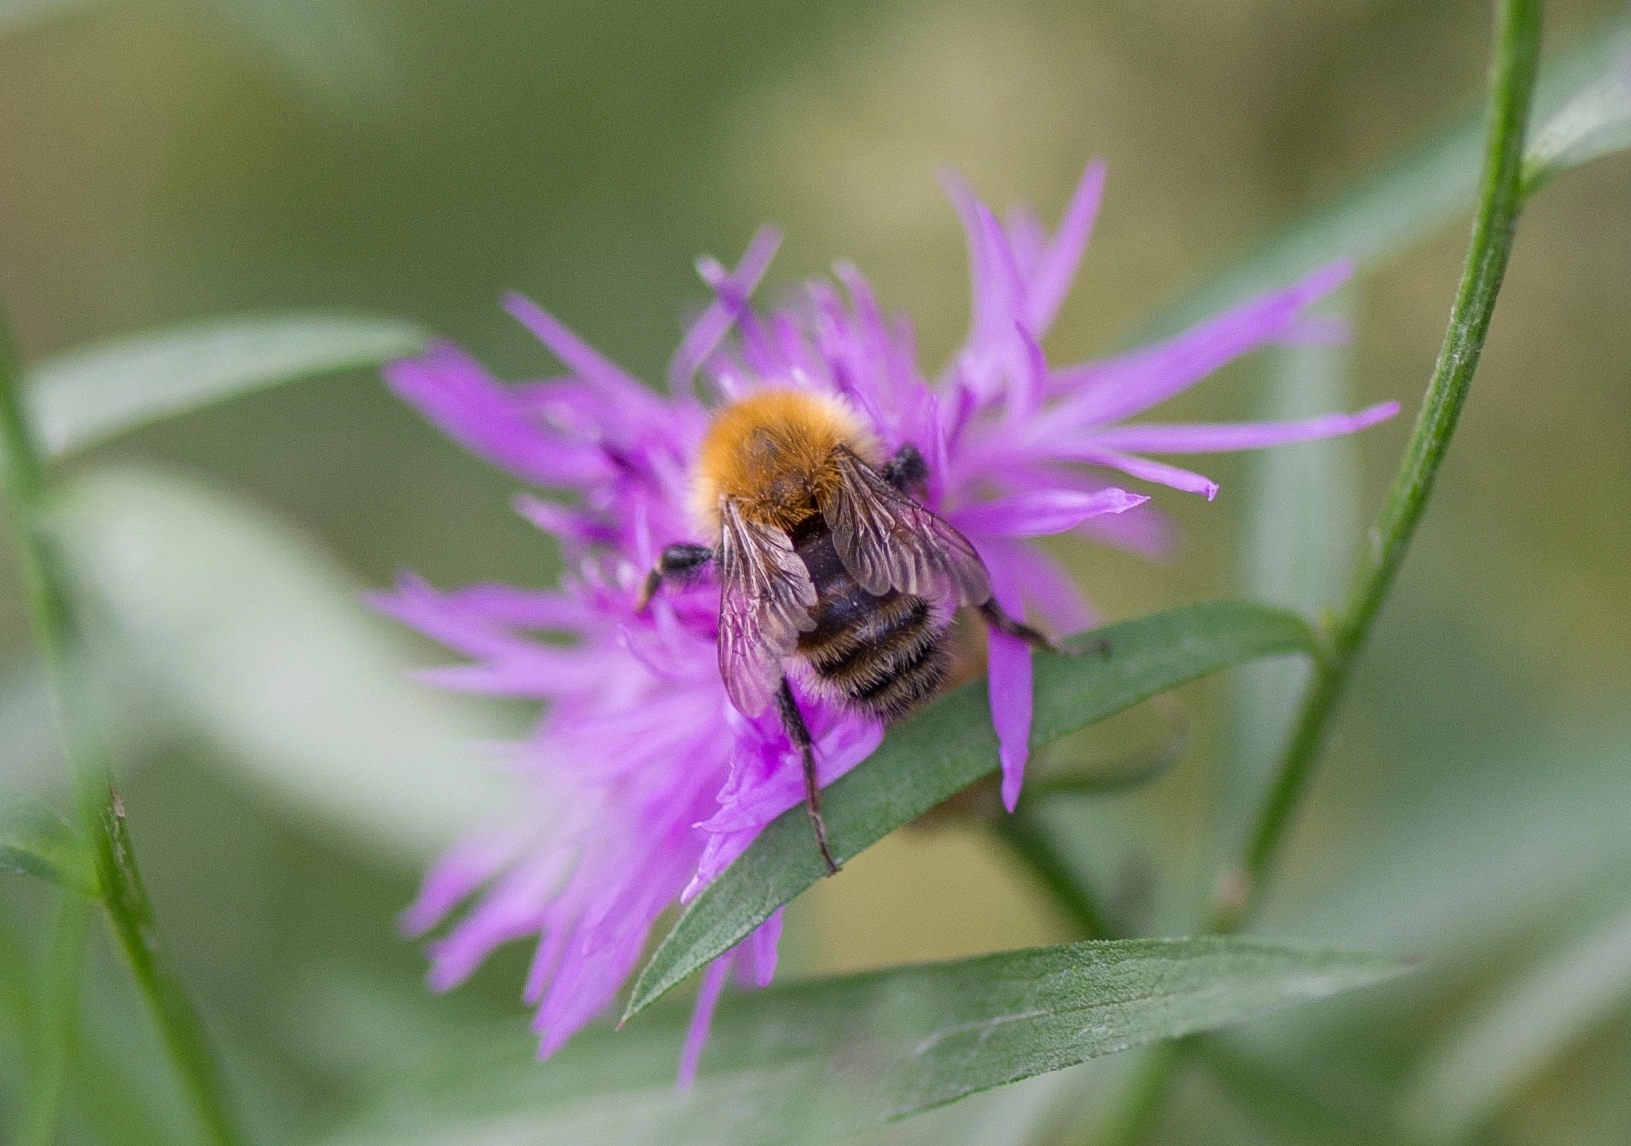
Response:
column 1116, row 388
column 453, row 392
column 1008, row 683
column 1158, row 472
column 732, row 291
column 577, row 355
column 1042, row 512
column 1219, row 437
column 1047, row 288
column 702, row 1017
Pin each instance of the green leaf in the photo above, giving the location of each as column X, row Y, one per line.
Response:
column 261, row 643
column 1428, row 188
column 949, row 745
column 35, row 840
column 1595, row 123
column 825, row 1059
column 89, row 395
column 1510, row 1039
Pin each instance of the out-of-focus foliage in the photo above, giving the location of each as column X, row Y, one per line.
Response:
column 816, row 1062
column 170, row 163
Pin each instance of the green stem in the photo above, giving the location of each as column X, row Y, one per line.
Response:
column 1512, row 80
column 57, row 635
column 1500, row 200
column 53, row 1026
column 1031, row 842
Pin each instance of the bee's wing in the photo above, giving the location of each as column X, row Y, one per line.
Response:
column 764, row 603
column 888, row 541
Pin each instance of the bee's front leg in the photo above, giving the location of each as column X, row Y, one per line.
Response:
column 680, row 561
column 799, row 733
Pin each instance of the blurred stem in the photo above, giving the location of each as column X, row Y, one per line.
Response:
column 57, row 636
column 1500, row 199
column 53, row 1025
column 1029, row 839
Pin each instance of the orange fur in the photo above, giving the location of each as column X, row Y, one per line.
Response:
column 770, row 453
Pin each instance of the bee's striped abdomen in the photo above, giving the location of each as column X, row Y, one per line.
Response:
column 883, row 655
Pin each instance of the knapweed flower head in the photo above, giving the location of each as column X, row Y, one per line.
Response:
column 654, row 782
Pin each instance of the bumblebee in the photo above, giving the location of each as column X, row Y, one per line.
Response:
column 826, row 564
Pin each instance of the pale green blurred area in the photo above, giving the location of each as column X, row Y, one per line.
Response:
column 175, row 159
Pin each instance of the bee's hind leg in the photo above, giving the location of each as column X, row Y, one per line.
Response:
column 680, row 560
column 799, row 733
column 1003, row 623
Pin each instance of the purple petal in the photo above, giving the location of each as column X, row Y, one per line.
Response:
column 1048, row 286
column 761, row 949
column 1042, row 511
column 1137, row 467
column 1218, row 437
column 733, row 290
column 565, row 522
column 578, row 356
column 453, row 392
column 1120, row 387
column 1008, row 684
column 702, row 1017
column 1048, row 588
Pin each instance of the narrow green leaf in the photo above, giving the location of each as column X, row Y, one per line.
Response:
column 821, row 1060
column 35, row 840
column 1410, row 200
column 1595, row 123
column 1490, row 1054
column 89, row 395
column 946, row 747
column 261, row 643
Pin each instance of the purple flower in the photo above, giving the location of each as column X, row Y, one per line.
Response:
column 652, row 781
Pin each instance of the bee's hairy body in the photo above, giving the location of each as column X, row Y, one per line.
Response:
column 824, row 559
column 883, row 655
column 772, row 456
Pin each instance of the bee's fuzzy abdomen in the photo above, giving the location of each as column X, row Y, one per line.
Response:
column 879, row 655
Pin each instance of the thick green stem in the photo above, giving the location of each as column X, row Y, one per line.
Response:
column 1512, row 80
column 57, row 635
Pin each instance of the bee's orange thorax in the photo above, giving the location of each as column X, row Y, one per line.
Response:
column 771, row 454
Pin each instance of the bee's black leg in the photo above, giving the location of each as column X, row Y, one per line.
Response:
column 1003, row 623
column 675, row 561
column 793, row 722
column 906, row 469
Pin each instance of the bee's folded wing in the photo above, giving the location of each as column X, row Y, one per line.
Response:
column 765, row 602
column 888, row 541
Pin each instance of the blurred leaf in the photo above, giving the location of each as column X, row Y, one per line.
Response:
column 337, row 53
column 1490, row 1055
column 1297, row 548
column 1596, row 122
column 261, row 642
column 1428, row 188
column 88, row 395
column 947, row 746
column 823, row 1059
column 15, row 15
column 1470, row 855
column 35, row 840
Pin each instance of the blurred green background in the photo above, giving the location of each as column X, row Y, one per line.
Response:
column 164, row 160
